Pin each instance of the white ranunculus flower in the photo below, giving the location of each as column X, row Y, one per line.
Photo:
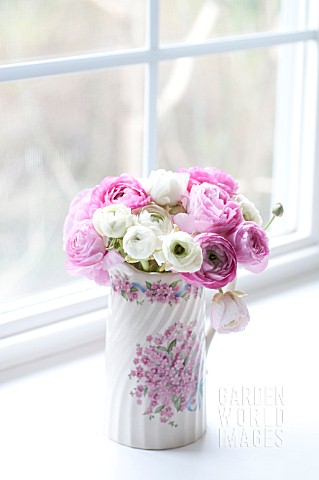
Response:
column 139, row 242
column 166, row 187
column 248, row 209
column 181, row 253
column 159, row 257
column 113, row 220
column 156, row 218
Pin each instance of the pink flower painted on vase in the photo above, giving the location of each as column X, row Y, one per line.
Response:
column 114, row 190
column 251, row 245
column 213, row 210
column 212, row 175
column 86, row 254
column 171, row 380
column 154, row 292
column 219, row 262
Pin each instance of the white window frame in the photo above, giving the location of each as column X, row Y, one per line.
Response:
column 74, row 314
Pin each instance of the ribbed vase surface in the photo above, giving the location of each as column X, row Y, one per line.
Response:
column 155, row 360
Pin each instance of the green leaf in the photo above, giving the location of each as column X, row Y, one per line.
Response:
column 145, row 391
column 159, row 408
column 124, row 295
column 134, row 289
column 162, row 348
column 149, row 285
column 177, row 403
column 173, row 284
column 171, row 346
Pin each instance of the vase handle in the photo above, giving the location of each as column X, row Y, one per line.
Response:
column 210, row 330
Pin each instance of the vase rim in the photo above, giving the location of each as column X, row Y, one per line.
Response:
column 137, row 271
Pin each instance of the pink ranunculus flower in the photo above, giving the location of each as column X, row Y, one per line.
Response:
column 86, row 254
column 213, row 210
column 78, row 211
column 229, row 313
column 113, row 190
column 212, row 175
column 185, row 222
column 219, row 264
column 251, row 245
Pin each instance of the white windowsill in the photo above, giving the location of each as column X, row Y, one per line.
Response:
column 51, row 413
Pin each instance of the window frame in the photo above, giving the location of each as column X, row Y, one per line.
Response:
column 29, row 326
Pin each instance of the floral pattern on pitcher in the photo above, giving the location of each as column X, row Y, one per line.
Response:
column 168, row 372
column 158, row 291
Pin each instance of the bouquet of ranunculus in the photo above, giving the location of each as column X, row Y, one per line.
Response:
column 193, row 221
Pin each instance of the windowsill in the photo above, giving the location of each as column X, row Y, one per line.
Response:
column 51, row 412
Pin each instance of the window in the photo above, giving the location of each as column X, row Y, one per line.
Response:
column 97, row 87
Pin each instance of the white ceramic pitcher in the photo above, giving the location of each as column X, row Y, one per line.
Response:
column 155, row 359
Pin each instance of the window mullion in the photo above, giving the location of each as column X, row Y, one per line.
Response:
column 151, row 89
column 313, row 20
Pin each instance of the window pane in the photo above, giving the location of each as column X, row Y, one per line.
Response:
column 58, row 136
column 31, row 29
column 219, row 111
column 197, row 20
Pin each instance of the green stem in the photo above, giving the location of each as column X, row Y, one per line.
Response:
column 145, row 265
column 270, row 222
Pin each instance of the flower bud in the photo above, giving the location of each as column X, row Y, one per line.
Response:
column 278, row 210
